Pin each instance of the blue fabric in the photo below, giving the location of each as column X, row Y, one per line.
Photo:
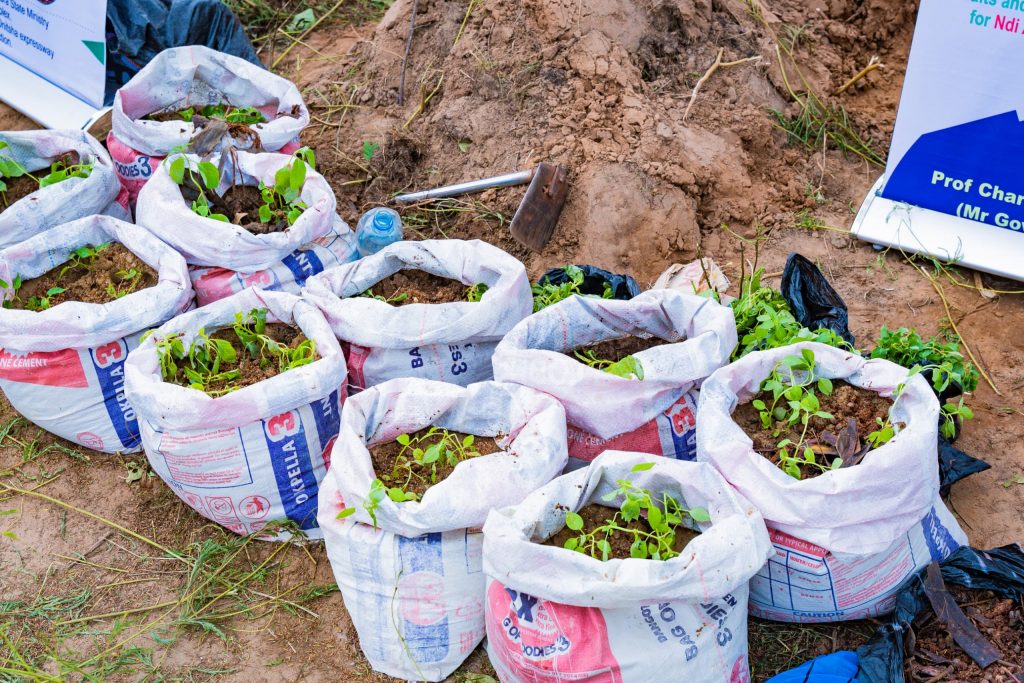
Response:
column 138, row 30
column 838, row 667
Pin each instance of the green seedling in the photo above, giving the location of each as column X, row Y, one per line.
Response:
column 206, row 363
column 396, row 298
column 12, row 287
column 417, row 460
column 664, row 515
column 476, row 292
column 41, row 303
column 764, row 321
column 628, row 367
column 225, row 112
column 208, row 180
column 907, row 348
column 281, row 200
column 792, row 385
column 369, row 149
column 546, row 293
column 82, row 258
column 128, row 282
column 942, row 359
column 60, row 170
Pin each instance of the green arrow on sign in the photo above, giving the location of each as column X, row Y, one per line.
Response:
column 98, row 49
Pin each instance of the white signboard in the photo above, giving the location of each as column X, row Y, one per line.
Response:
column 53, row 57
column 954, row 185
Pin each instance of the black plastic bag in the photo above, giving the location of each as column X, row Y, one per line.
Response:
column 954, row 465
column 623, row 286
column 813, row 301
column 1000, row 570
column 138, row 30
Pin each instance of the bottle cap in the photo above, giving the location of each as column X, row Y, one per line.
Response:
column 383, row 220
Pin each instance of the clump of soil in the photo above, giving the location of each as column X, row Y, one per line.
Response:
column 112, row 273
column 615, row 350
column 250, row 369
column 17, row 189
column 420, row 287
column 240, row 203
column 846, row 402
column 935, row 655
column 390, row 464
column 595, row 515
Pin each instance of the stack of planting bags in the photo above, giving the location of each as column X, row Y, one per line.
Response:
column 412, row 581
column 255, row 455
column 67, row 200
column 846, row 539
column 196, row 76
column 449, row 342
column 63, row 368
column 227, row 258
column 606, row 412
column 560, row 616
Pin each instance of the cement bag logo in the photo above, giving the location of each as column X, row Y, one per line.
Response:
column 554, row 642
column 51, row 368
column 285, row 436
column 108, row 362
column 941, row 543
column 423, row 606
column 683, row 425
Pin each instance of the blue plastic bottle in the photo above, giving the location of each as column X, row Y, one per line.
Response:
column 377, row 228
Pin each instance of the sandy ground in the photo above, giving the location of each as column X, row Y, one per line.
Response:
column 603, row 87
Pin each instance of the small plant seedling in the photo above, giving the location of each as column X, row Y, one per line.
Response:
column 942, row 359
column 369, row 149
column 205, row 363
column 476, row 292
column 764, row 321
column 418, row 460
column 628, row 367
column 128, row 279
column 396, row 298
column 208, row 181
column 13, row 288
column 41, row 303
column 225, row 112
column 60, row 170
column 792, row 386
column 281, row 200
column 664, row 515
column 82, row 258
column 546, row 293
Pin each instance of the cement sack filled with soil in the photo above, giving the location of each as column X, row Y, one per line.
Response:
column 449, row 342
column 608, row 412
column 556, row 615
column 63, row 367
column 257, row 454
column 163, row 210
column 413, row 584
column 194, row 77
column 287, row 275
column 846, row 539
column 34, row 151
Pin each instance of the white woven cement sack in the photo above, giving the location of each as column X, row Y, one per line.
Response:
column 449, row 342
column 63, row 367
column 255, row 455
column 69, row 199
column 846, row 539
column 414, row 585
column 559, row 616
column 605, row 412
column 196, row 76
column 208, row 242
column 287, row 275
